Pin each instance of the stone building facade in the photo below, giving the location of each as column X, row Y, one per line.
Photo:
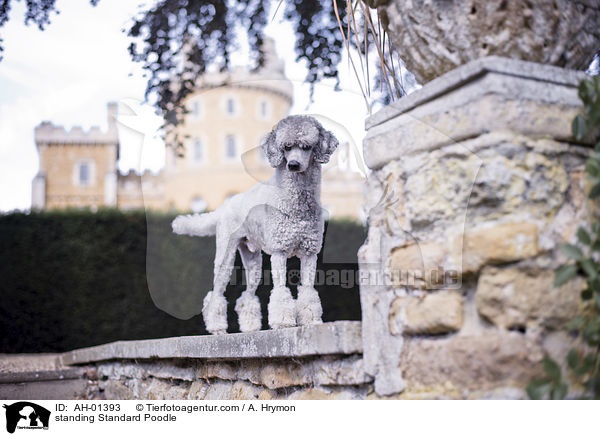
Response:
column 77, row 168
column 226, row 118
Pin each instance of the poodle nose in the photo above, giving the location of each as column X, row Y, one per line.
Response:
column 293, row 165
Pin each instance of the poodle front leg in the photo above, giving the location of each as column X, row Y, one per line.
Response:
column 282, row 307
column 248, row 305
column 214, row 308
column 309, row 309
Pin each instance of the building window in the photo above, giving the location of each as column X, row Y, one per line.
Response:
column 198, row 205
column 264, row 110
column 230, row 147
column 84, row 174
column 196, row 109
column 198, row 151
column 230, row 106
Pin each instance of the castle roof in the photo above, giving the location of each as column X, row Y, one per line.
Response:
column 241, row 78
column 47, row 133
column 269, row 77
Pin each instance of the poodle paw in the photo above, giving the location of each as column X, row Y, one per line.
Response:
column 248, row 310
column 214, row 312
column 282, row 308
column 309, row 309
column 179, row 225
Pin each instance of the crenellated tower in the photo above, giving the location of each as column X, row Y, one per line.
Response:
column 77, row 169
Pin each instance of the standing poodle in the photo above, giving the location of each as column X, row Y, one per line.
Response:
column 281, row 217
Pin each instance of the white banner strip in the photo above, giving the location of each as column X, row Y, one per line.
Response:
column 300, row 417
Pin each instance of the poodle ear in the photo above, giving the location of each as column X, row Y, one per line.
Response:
column 328, row 144
column 271, row 150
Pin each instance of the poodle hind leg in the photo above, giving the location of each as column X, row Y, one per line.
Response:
column 309, row 309
column 248, row 305
column 214, row 309
column 282, row 306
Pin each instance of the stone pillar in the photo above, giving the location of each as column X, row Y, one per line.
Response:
column 112, row 109
column 110, row 189
column 38, row 192
column 475, row 181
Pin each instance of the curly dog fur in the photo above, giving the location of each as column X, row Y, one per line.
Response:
column 281, row 217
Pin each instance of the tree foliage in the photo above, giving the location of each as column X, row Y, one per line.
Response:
column 177, row 41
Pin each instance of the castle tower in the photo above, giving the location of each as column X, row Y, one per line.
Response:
column 228, row 115
column 77, row 168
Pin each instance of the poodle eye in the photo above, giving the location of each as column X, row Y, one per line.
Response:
column 288, row 147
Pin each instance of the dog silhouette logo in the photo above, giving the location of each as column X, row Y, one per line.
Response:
column 26, row 415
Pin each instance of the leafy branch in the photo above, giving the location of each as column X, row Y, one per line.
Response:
column 583, row 361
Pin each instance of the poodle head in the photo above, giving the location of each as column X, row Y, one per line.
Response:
column 297, row 141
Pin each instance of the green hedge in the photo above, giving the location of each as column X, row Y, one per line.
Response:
column 74, row 279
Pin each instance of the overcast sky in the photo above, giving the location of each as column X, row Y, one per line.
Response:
column 67, row 73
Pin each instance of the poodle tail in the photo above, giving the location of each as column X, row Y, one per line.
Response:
column 198, row 224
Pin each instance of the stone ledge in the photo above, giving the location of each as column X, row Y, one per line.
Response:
column 491, row 102
column 40, row 376
column 340, row 337
column 469, row 72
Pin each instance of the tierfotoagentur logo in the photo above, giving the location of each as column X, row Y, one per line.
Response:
column 346, row 277
column 26, row 415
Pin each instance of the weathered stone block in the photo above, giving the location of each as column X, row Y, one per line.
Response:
column 417, row 264
column 283, row 373
column 320, row 393
column 116, row 390
column 198, row 390
column 495, row 177
column 271, row 374
column 471, row 361
column 242, row 390
column 428, row 264
column 517, row 298
column 434, row 313
column 499, row 244
column 275, row 376
column 339, row 371
column 218, row 390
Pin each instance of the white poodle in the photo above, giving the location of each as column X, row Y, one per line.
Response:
column 281, row 217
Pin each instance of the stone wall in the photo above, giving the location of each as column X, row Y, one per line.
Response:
column 314, row 362
column 476, row 181
column 332, row 377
